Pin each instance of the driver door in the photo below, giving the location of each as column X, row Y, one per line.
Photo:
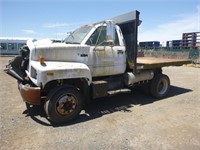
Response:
column 107, row 59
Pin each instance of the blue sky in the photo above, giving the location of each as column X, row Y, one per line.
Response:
column 162, row 20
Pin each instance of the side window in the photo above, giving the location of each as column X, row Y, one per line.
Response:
column 3, row 46
column 99, row 37
column 12, row 46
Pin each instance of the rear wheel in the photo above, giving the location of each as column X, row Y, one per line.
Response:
column 159, row 86
column 63, row 105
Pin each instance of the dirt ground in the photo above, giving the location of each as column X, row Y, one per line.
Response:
column 132, row 121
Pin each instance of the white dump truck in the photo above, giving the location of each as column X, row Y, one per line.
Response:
column 94, row 61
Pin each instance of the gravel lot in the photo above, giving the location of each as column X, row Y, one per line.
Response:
column 127, row 121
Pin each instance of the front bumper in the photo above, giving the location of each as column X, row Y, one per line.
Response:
column 30, row 94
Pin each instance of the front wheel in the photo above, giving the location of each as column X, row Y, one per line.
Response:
column 159, row 86
column 63, row 105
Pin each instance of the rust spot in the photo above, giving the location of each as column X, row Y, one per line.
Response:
column 50, row 73
column 30, row 94
column 102, row 53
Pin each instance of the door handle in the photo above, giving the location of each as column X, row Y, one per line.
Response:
column 120, row 51
column 84, row 55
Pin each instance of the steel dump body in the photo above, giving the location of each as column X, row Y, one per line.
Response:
column 129, row 23
column 154, row 62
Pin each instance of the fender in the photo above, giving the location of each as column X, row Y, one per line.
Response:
column 41, row 74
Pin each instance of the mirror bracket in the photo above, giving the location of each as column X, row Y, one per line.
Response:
column 110, row 32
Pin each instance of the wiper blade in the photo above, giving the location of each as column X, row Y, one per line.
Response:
column 75, row 43
column 68, row 42
column 72, row 43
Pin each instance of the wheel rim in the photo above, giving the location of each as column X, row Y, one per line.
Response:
column 66, row 105
column 162, row 86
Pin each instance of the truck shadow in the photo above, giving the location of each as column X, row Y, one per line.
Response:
column 121, row 102
column 106, row 105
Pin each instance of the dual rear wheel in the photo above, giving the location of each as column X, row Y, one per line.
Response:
column 158, row 86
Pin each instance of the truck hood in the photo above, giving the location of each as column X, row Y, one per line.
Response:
column 57, row 51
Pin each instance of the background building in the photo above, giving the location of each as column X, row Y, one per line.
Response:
column 174, row 44
column 191, row 40
column 11, row 45
column 149, row 45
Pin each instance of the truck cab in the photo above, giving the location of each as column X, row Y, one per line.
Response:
column 90, row 50
column 106, row 53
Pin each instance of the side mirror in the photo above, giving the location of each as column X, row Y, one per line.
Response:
column 110, row 32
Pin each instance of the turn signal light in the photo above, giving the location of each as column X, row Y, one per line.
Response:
column 41, row 60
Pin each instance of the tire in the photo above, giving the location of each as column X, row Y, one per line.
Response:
column 159, row 86
column 63, row 105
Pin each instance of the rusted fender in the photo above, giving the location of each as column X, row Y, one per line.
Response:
column 30, row 94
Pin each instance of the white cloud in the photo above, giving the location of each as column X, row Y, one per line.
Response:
column 28, row 31
column 61, row 25
column 61, row 30
column 172, row 30
column 55, row 25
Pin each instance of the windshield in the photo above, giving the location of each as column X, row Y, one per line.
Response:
column 78, row 35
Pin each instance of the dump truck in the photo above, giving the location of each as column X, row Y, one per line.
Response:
column 94, row 61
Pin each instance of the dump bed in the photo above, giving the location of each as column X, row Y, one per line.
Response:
column 153, row 62
column 129, row 23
